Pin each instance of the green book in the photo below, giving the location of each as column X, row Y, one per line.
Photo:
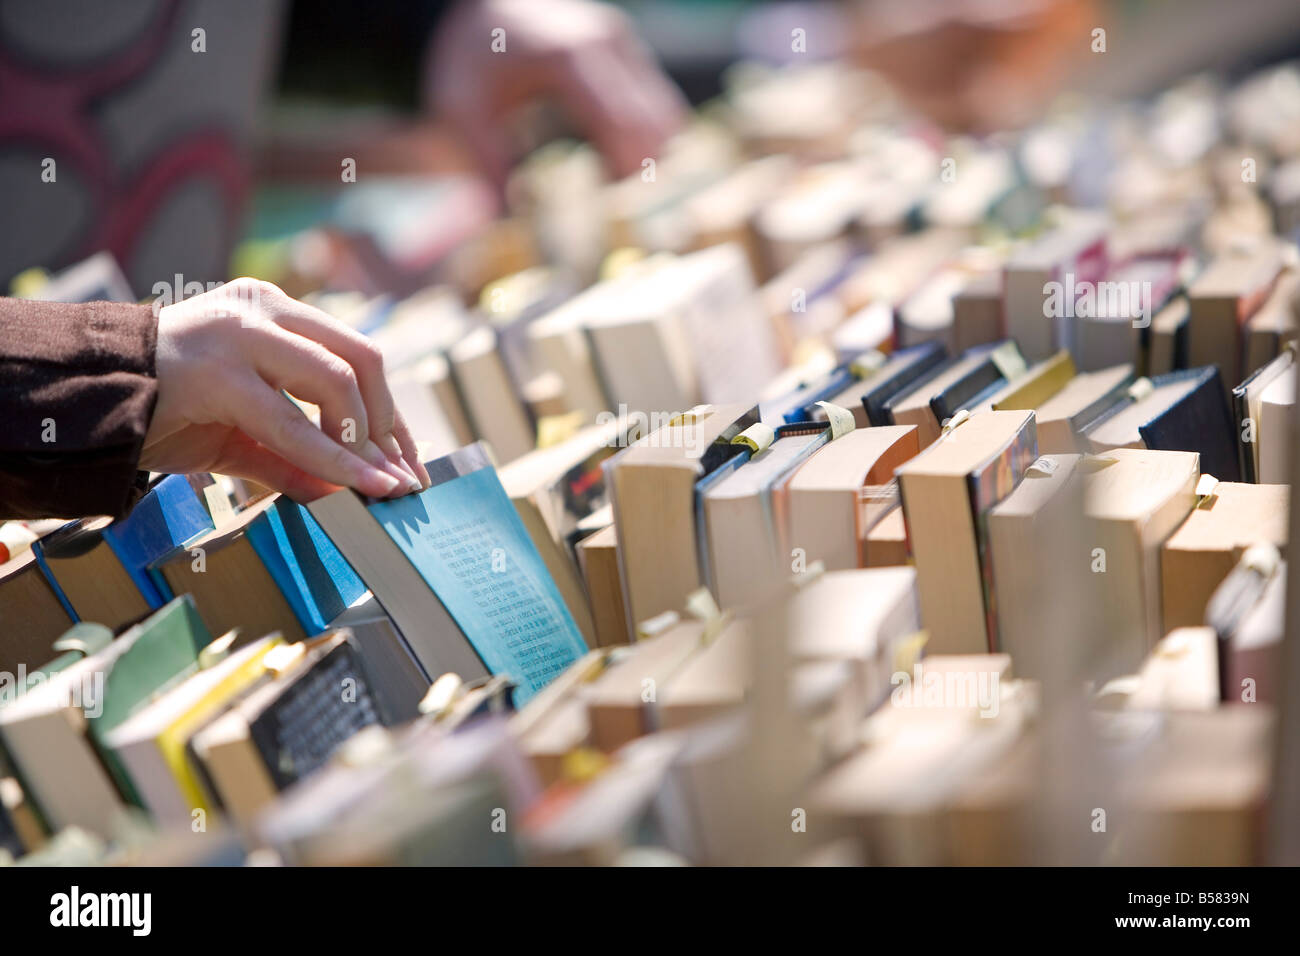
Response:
column 50, row 731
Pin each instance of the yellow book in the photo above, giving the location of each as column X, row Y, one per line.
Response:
column 151, row 743
column 1036, row 385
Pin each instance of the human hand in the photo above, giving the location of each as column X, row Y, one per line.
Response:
column 223, row 358
column 583, row 54
column 977, row 65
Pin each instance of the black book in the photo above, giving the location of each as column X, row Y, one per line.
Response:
column 292, row 723
column 1245, row 402
column 1179, row 411
column 979, row 384
column 904, row 369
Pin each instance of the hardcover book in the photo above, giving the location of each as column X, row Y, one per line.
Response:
column 905, row 368
column 286, row 727
column 48, row 732
column 1181, row 411
column 165, row 520
column 981, row 383
column 913, row 406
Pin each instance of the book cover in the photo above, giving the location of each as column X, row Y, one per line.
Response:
column 988, row 486
column 306, row 718
column 912, row 365
column 464, row 540
column 166, row 519
column 313, row 576
column 162, row 651
column 981, row 382
column 825, row 390
column 1199, row 423
column 1245, row 402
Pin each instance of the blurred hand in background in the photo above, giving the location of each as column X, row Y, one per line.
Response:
column 975, row 65
column 494, row 56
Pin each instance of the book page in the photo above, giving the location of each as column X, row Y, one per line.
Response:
column 466, row 541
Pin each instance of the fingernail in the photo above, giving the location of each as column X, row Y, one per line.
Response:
column 403, row 479
column 415, row 469
column 376, row 483
column 423, row 474
column 418, row 470
column 416, row 483
column 375, row 456
column 394, row 451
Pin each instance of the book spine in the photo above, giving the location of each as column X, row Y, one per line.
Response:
column 38, row 552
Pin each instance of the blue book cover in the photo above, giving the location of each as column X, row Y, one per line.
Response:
column 461, row 553
column 166, row 519
column 311, row 574
column 826, row 389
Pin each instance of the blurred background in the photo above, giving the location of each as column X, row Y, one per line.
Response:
column 193, row 137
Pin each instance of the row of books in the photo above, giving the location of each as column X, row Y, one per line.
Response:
column 862, row 619
column 818, row 528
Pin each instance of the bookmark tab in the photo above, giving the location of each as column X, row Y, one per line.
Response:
column 703, row 607
column 867, row 364
column 583, row 764
column 1205, row 489
column 366, row 747
column 1262, row 558
column 86, row 638
column 223, row 514
column 1140, row 389
column 1045, row 467
column 841, row 419
column 1090, row 463
column 949, row 424
column 656, row 625
column 554, row 429
column 282, row 659
column 218, row 650
column 757, row 437
column 694, row 416
column 909, row 652
column 1008, row 361
column 442, row 694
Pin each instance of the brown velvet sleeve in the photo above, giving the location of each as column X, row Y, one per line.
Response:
column 77, row 390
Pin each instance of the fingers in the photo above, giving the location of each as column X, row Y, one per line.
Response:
column 241, row 457
column 487, row 141
column 410, row 452
column 309, row 371
column 629, row 105
column 364, row 365
column 625, row 116
column 666, row 102
column 272, row 420
column 359, row 352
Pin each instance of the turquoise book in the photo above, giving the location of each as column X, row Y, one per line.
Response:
column 311, row 574
column 457, row 572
